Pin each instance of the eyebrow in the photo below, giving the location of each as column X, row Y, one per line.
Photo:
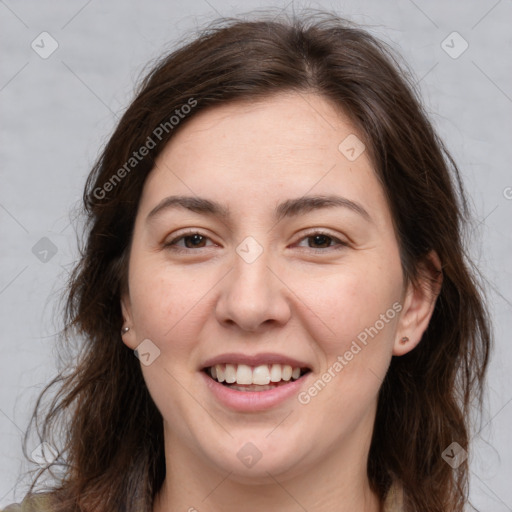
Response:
column 288, row 208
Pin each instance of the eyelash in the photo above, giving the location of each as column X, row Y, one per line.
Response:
column 341, row 244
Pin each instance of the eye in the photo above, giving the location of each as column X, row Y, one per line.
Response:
column 186, row 241
column 320, row 240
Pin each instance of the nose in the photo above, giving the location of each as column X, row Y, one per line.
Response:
column 253, row 296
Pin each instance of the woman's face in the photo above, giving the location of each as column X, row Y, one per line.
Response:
column 263, row 241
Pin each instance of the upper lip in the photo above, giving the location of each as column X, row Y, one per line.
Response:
column 254, row 360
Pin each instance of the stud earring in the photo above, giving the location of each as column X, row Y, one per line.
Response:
column 404, row 340
column 124, row 330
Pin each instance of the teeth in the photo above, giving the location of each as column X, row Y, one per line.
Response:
column 243, row 374
column 252, row 388
column 262, row 375
column 275, row 373
column 287, row 372
column 220, row 373
column 230, row 373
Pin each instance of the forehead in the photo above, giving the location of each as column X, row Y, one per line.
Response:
column 291, row 124
column 256, row 152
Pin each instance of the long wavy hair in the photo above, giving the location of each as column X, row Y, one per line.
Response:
column 102, row 421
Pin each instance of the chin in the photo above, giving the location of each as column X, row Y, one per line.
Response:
column 256, row 462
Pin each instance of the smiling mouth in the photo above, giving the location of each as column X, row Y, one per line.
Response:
column 242, row 377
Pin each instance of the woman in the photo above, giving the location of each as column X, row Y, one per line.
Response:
column 274, row 230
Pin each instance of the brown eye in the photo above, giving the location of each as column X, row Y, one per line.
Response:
column 319, row 240
column 196, row 240
column 192, row 240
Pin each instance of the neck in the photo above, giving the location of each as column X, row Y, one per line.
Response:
column 328, row 486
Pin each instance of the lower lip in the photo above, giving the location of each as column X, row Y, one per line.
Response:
column 247, row 401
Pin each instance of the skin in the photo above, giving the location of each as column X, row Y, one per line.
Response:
column 300, row 297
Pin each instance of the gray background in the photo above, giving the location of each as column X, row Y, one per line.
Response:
column 58, row 112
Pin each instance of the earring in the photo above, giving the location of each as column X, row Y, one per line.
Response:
column 124, row 330
column 404, row 340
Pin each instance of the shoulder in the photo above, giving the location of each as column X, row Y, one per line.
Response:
column 40, row 502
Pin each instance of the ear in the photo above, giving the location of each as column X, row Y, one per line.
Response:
column 129, row 337
column 418, row 304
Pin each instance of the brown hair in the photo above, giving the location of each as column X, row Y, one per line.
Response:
column 111, row 432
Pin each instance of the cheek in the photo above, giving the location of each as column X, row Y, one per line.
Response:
column 350, row 305
column 359, row 322
column 166, row 302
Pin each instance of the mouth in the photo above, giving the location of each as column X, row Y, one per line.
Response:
column 246, row 378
